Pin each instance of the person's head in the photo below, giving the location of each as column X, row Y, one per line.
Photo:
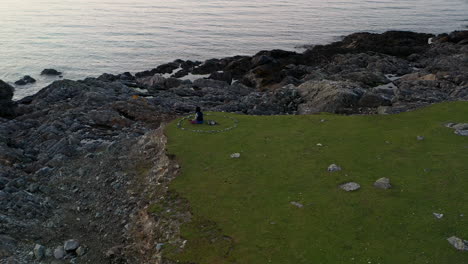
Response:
column 198, row 109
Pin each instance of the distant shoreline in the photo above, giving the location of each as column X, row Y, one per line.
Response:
column 43, row 81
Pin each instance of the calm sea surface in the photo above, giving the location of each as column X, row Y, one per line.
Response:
column 89, row 37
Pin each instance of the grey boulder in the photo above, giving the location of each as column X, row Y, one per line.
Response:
column 461, row 129
column 328, row 96
column 333, row 167
column 39, row 251
column 458, row 243
column 350, row 186
column 59, row 252
column 71, row 245
column 383, row 183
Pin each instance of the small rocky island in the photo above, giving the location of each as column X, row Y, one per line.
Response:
column 82, row 161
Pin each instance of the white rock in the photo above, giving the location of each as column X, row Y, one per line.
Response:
column 462, row 132
column 420, row 138
column 334, row 167
column 383, row 183
column 183, row 244
column 297, row 204
column 438, row 216
column 350, row 186
column 458, row 243
column 235, row 155
column 460, row 126
column 319, row 144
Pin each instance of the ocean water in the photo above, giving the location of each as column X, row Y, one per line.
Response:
column 88, row 37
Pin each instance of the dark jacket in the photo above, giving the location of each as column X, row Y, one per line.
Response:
column 199, row 116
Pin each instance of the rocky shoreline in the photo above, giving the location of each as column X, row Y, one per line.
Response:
column 85, row 160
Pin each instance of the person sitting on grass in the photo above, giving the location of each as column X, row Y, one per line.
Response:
column 198, row 117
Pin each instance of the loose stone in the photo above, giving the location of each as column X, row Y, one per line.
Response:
column 39, row 251
column 299, row 205
column 334, row 167
column 159, row 246
column 383, row 183
column 59, row 252
column 80, row 251
column 48, row 252
column 350, row 186
column 462, row 133
column 458, row 243
column 438, row 216
column 461, row 129
column 71, row 245
column 235, row 155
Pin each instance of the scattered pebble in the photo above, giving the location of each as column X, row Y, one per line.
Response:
column 458, row 243
column 183, row 244
column 48, row 252
column 461, row 129
column 159, row 246
column 334, row 167
column 319, row 144
column 235, row 155
column 71, row 245
column 80, row 251
column 211, row 122
column 438, row 216
column 39, row 251
column 462, row 132
column 383, row 183
column 59, row 252
column 299, row 205
column 420, row 138
column 350, row 186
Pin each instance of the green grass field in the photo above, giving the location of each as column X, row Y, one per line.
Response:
column 242, row 211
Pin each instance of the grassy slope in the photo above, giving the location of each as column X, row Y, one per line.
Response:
column 248, row 199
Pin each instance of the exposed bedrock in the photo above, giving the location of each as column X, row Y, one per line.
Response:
column 6, row 104
column 389, row 72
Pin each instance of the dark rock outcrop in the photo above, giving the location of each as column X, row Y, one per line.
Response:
column 25, row 80
column 50, row 72
column 6, row 103
column 168, row 68
column 329, row 96
column 221, row 76
column 394, row 43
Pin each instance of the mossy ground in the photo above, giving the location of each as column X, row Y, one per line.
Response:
column 242, row 211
